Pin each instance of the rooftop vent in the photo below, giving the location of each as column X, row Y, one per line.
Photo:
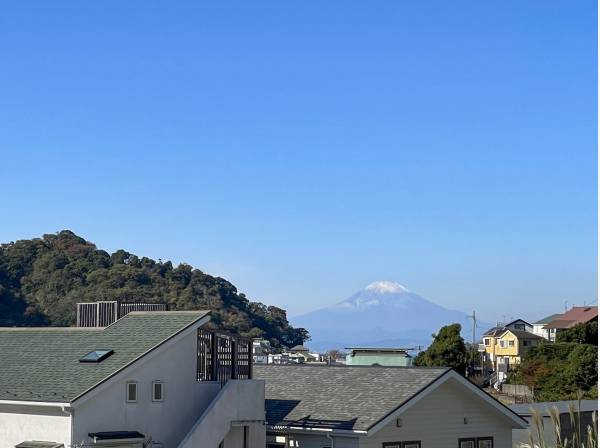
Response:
column 96, row 356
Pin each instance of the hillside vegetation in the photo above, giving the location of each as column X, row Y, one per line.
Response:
column 42, row 279
column 562, row 370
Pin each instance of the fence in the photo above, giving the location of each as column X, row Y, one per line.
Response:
column 102, row 314
column 222, row 357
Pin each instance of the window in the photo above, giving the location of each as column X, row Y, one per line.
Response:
column 486, row 341
column 479, row 442
column 392, row 445
column 485, row 442
column 408, row 444
column 157, row 391
column 520, row 327
column 502, row 344
column 511, row 343
column 96, row 355
column 415, row 444
column 526, row 343
column 131, row 392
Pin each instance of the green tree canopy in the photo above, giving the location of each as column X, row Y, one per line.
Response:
column 42, row 279
column 447, row 350
column 558, row 371
column 581, row 333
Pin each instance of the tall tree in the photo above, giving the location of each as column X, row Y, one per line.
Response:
column 447, row 350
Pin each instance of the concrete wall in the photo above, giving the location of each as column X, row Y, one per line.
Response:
column 239, row 403
column 19, row 423
column 166, row 422
column 438, row 421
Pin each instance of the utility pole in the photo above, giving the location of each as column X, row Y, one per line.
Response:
column 473, row 344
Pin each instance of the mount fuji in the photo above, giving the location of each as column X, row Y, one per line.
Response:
column 383, row 314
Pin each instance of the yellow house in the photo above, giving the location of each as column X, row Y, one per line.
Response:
column 505, row 347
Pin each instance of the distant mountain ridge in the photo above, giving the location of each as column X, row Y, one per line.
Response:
column 384, row 313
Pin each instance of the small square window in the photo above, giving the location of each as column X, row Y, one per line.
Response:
column 511, row 343
column 466, row 443
column 486, row 341
column 157, row 391
column 392, row 445
column 414, row 444
column 485, row 442
column 131, row 392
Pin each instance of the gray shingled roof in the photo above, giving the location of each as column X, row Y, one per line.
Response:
column 338, row 397
column 42, row 364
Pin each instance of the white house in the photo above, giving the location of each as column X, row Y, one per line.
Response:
column 540, row 329
column 374, row 407
column 155, row 377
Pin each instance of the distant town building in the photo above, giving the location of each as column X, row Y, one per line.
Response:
column 296, row 355
column 504, row 347
column 369, row 356
column 576, row 315
column 540, row 329
column 261, row 348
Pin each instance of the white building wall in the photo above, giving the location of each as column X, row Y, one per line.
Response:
column 19, row 423
column 166, row 422
column 303, row 440
column 438, row 421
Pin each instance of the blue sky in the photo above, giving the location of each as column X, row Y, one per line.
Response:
column 304, row 149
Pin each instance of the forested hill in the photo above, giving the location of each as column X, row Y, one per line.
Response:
column 42, row 279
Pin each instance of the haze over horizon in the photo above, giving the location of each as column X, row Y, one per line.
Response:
column 304, row 151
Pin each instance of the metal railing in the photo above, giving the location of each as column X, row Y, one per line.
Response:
column 104, row 313
column 222, row 357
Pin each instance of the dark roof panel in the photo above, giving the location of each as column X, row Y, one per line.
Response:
column 338, row 397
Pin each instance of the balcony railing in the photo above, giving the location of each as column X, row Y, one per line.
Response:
column 222, row 357
column 104, row 313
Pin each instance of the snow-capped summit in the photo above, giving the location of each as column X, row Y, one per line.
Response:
column 384, row 313
column 385, row 286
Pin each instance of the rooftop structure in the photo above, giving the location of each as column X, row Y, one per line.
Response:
column 382, row 356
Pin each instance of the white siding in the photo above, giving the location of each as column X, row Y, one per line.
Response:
column 438, row 421
column 167, row 421
column 321, row 441
column 20, row 423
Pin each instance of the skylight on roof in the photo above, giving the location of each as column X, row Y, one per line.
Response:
column 96, row 356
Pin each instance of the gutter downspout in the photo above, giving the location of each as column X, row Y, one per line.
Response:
column 328, row 435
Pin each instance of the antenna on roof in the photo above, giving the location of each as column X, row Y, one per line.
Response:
column 566, row 303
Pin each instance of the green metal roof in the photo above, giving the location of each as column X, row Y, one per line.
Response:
column 547, row 320
column 42, row 364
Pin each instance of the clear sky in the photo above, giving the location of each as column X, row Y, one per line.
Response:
column 305, row 149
